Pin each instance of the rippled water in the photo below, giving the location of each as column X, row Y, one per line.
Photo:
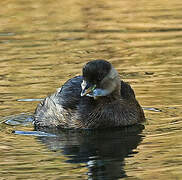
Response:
column 43, row 43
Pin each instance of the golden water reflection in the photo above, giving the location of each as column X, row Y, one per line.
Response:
column 43, row 43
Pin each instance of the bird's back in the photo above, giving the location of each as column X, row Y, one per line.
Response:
column 57, row 109
column 66, row 108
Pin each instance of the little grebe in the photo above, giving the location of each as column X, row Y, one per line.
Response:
column 97, row 99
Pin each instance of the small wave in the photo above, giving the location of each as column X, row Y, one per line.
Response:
column 29, row 100
column 33, row 133
column 23, row 119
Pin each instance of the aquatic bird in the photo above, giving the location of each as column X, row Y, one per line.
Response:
column 97, row 99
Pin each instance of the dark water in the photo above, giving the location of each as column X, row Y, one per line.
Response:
column 43, row 43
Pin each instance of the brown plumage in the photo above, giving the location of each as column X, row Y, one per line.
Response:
column 98, row 99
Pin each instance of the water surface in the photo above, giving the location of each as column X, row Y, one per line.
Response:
column 43, row 43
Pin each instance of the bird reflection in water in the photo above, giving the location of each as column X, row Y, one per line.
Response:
column 103, row 151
